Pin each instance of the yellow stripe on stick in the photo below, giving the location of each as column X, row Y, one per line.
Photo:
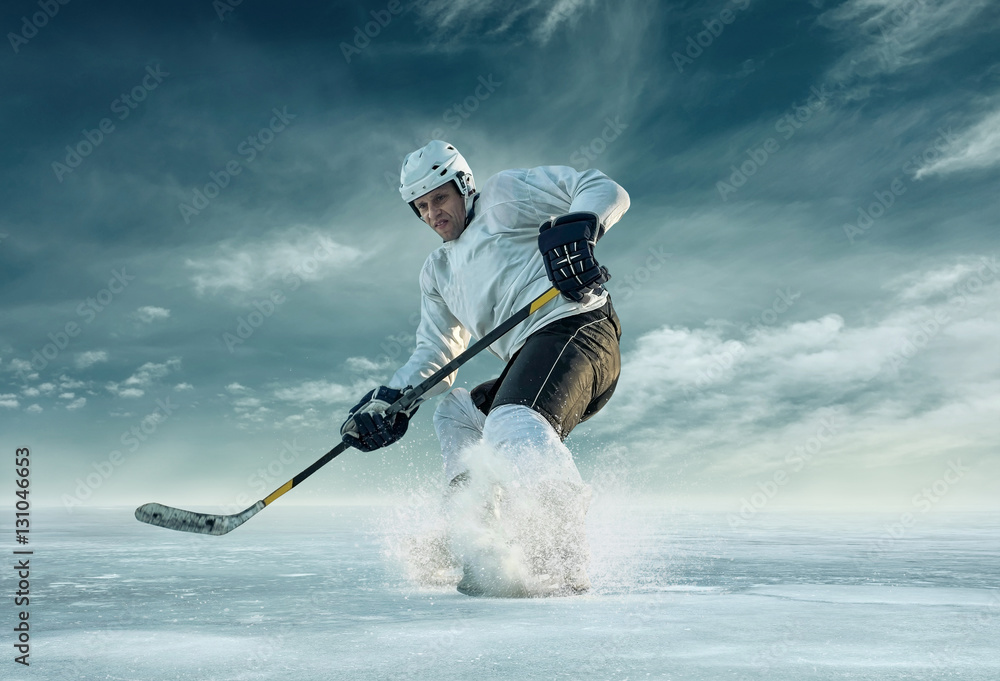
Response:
column 542, row 299
column 277, row 493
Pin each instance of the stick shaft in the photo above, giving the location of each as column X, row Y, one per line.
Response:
column 316, row 465
column 414, row 394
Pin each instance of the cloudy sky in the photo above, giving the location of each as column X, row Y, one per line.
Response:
column 204, row 260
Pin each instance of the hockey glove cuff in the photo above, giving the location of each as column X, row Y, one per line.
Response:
column 368, row 428
column 567, row 246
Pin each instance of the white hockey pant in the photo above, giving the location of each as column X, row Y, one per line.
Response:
column 518, row 434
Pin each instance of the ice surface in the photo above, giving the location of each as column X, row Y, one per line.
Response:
column 318, row 593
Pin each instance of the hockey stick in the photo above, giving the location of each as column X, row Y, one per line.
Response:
column 208, row 523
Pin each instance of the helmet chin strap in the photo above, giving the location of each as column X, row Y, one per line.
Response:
column 470, row 209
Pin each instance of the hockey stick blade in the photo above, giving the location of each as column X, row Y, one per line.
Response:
column 190, row 521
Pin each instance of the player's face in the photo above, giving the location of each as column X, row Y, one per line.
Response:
column 444, row 210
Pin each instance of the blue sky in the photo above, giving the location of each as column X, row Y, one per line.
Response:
column 202, row 241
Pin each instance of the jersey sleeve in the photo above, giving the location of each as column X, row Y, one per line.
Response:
column 440, row 339
column 561, row 189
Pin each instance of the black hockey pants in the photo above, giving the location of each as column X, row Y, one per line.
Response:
column 566, row 371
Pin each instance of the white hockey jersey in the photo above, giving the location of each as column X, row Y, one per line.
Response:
column 473, row 283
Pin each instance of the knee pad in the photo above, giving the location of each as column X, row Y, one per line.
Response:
column 528, row 441
column 515, row 425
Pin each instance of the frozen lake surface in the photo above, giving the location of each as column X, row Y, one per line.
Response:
column 317, row 593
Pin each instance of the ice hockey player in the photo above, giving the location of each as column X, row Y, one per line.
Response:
column 525, row 231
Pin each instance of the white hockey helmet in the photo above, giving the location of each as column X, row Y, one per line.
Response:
column 431, row 166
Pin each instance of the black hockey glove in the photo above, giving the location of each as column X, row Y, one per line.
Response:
column 367, row 428
column 567, row 246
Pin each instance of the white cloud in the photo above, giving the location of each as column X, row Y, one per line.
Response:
column 31, row 392
column 21, row 366
column 891, row 35
column 305, row 255
column 67, row 383
column 9, row 401
column 66, row 396
column 90, row 358
column 250, row 410
column 34, row 409
column 130, row 393
column 309, row 419
column 183, row 386
column 273, row 410
column 559, row 13
column 365, row 365
column 76, row 404
column 976, row 148
column 143, row 377
column 149, row 314
column 955, row 280
column 150, row 371
column 450, row 18
column 324, row 392
column 917, row 377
